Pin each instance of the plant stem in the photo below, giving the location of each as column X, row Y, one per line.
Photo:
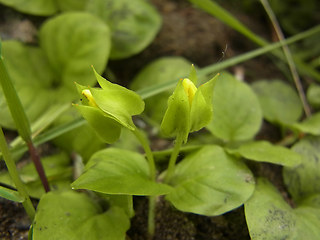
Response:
column 151, row 216
column 144, row 143
column 288, row 56
column 27, row 204
column 152, row 169
column 37, row 163
column 173, row 158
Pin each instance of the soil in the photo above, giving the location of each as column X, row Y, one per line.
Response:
column 204, row 40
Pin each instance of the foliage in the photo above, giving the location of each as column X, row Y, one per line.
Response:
column 93, row 185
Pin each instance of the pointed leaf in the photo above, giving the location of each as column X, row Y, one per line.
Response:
column 176, row 120
column 106, row 127
column 117, row 171
column 77, row 217
column 201, row 108
column 210, row 182
column 10, row 194
column 236, row 110
column 118, row 102
column 263, row 151
column 160, row 71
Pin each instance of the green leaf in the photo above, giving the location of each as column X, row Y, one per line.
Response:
column 11, row 195
column 310, row 125
column 263, row 151
column 58, row 171
column 201, row 107
column 23, row 64
column 279, row 102
column 105, row 127
column 269, row 217
column 73, row 42
column 82, row 140
column 125, row 202
column 117, row 171
column 161, row 70
column 133, row 24
column 176, row 120
column 210, row 182
column 34, row 7
column 72, row 5
column 109, row 108
column 118, row 102
column 51, row 70
column 14, row 104
column 77, row 217
column 313, row 94
column 236, row 111
column 303, row 180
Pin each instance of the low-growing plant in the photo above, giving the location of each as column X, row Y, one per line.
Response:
column 212, row 121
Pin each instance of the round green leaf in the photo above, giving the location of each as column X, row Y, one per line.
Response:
column 303, row 180
column 311, row 125
column 313, row 94
column 279, row 102
column 236, row 110
column 263, row 151
column 117, row 171
column 210, row 182
column 73, row 42
column 32, row 86
column 160, row 71
column 70, row 44
column 77, row 217
column 133, row 24
column 269, row 217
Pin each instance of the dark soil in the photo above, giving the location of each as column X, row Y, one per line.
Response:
column 204, row 40
column 172, row 224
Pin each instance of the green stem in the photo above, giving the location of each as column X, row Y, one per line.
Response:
column 151, row 216
column 144, row 142
column 173, row 158
column 27, row 204
column 152, row 169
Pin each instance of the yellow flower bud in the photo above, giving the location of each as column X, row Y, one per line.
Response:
column 87, row 94
column 189, row 88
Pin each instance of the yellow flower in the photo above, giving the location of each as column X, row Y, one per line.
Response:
column 87, row 94
column 189, row 88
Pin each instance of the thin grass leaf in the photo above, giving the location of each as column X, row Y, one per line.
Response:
column 158, row 88
column 14, row 104
column 11, row 195
column 217, row 11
